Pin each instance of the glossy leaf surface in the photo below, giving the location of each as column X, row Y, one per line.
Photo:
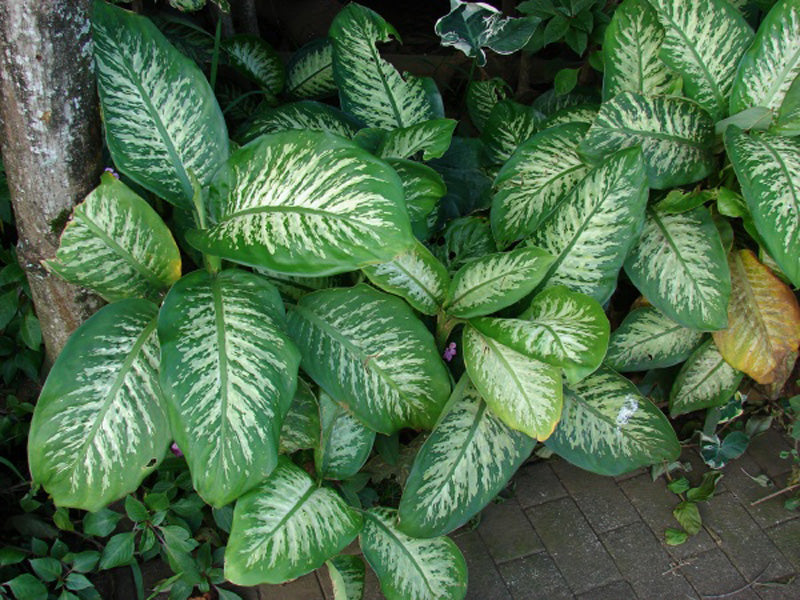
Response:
column 705, row 380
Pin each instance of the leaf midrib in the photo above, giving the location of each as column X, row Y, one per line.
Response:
column 222, row 353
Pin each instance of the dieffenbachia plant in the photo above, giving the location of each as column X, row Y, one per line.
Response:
column 345, row 251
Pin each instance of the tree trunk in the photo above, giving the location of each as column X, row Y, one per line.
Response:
column 50, row 129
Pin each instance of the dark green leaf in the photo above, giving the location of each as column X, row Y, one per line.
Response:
column 565, row 81
column 27, row 587
column 101, row 523
column 76, row 581
column 46, row 569
column 83, row 562
column 706, row 488
column 679, row 485
column 136, row 511
column 118, row 551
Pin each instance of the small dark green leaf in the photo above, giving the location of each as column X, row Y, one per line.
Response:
column 9, row 303
column 565, row 81
column 227, row 594
column 156, row 501
column 118, row 551
column 136, row 511
column 76, row 581
column 101, row 523
column 223, row 517
column 83, row 562
column 706, row 488
column 59, row 550
column 556, row 28
column 717, row 454
column 62, row 520
column 679, row 485
column 688, row 516
column 11, row 556
column 27, row 587
column 46, row 569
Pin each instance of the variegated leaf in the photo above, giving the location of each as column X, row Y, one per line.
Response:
column 370, row 88
column 788, row 119
column 301, row 427
column 465, row 462
column 303, row 115
column 117, row 245
column 100, row 424
column 772, row 63
column 768, row 168
column 509, row 124
column 582, row 113
column 305, row 203
column 464, row 240
column 161, row 117
column 550, row 103
column 292, row 287
column 432, row 138
column 675, row 135
column 495, row 281
column 286, row 527
column 347, row 573
column 561, row 327
column 524, row 392
column 255, row 59
column 679, row 265
column 631, row 53
column 482, row 97
column 763, row 320
column 410, row 568
column 309, row 72
column 704, row 43
column 415, row 275
column 229, row 373
column 592, row 228
column 367, row 349
column 423, row 188
column 345, row 442
column 539, row 173
column 705, row 380
column 646, row 339
column 609, row 428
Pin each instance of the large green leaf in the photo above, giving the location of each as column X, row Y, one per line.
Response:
column 370, row 88
column 646, row 339
column 592, row 228
column 423, row 189
column 704, row 42
column 301, row 427
column 705, row 380
column 509, row 124
column 347, row 574
column 464, row 463
column 229, row 373
column 432, row 138
column 675, row 136
column 304, row 115
column 609, row 428
column 524, row 392
column 286, row 527
column 254, row 58
column 117, row 245
column 410, row 568
column 631, row 53
column 539, row 173
column 788, row 119
column 100, row 426
column 561, row 327
column 495, row 281
column 481, row 98
column 772, row 63
column 305, row 203
column 415, row 275
column 550, row 102
column 463, row 241
column 161, row 118
column 581, row 113
column 345, row 442
column 679, row 265
column 768, row 168
column 309, row 72
column 369, row 351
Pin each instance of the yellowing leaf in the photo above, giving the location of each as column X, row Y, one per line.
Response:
column 763, row 319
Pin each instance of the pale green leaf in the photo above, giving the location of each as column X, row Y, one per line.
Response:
column 705, row 380
column 100, row 427
column 410, row 568
column 345, row 442
column 305, row 203
column 609, row 428
column 675, row 135
column 309, row 72
column 582, row 113
column 432, row 138
column 481, row 98
column 368, row 349
column 300, row 429
column 303, row 115
column 286, row 527
column 509, row 124
column 464, row 463
column 255, row 59
column 347, row 574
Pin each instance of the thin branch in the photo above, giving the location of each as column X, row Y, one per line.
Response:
column 775, row 494
column 741, row 589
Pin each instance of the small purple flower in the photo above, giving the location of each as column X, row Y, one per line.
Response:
column 450, row 352
column 175, row 450
column 112, row 171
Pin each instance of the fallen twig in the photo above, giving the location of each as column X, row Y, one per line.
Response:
column 775, row 494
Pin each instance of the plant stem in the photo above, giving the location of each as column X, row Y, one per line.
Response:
column 775, row 494
column 213, row 264
column 444, row 326
column 215, row 56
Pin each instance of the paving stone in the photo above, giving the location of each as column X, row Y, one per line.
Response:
column 787, row 591
column 766, row 449
column 712, row 574
column 645, row 564
column 507, row 533
column 484, row 578
column 534, row 577
column 303, row 588
column 573, row 545
column 619, row 590
column 631, row 474
column 537, row 484
column 747, row 546
column 786, row 537
column 600, row 499
column 655, row 503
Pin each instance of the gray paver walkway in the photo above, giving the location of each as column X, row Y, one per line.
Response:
column 570, row 534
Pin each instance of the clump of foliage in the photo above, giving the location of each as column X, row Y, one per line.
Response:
column 372, row 279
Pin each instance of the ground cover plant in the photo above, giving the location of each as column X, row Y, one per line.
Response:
column 392, row 309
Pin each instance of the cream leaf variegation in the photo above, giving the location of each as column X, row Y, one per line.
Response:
column 305, row 203
column 679, row 265
column 580, row 114
column 705, row 380
column 347, row 573
column 300, row 429
column 509, row 125
column 345, row 442
column 481, row 98
column 229, row 373
column 409, row 568
column 609, row 428
column 523, row 392
column 432, row 138
column 100, row 424
column 309, row 72
column 423, row 188
column 369, row 351
column 286, row 527
column 257, row 60
column 302, row 115
column 463, row 464
column 539, row 173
